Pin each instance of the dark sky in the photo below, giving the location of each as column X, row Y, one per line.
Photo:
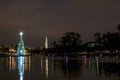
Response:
column 40, row 18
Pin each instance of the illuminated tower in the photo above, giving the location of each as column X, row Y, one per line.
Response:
column 46, row 42
column 21, row 48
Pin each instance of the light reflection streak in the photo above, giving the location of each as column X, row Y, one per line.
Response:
column 12, row 63
column 97, row 65
column 52, row 65
column 46, row 67
column 89, row 63
column 21, row 67
column 41, row 62
column 66, row 63
column 27, row 63
column 85, row 60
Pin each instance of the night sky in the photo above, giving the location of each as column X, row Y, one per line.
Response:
column 40, row 18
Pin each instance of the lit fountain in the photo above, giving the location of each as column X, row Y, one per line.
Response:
column 21, row 49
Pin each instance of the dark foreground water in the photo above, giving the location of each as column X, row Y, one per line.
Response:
column 59, row 68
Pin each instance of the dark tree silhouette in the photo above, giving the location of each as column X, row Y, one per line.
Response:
column 97, row 37
column 70, row 39
column 118, row 28
column 69, row 42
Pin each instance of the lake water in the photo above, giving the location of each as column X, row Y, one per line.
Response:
column 59, row 68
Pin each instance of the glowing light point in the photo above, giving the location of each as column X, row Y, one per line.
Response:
column 21, row 33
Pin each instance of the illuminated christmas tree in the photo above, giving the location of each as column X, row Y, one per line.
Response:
column 21, row 48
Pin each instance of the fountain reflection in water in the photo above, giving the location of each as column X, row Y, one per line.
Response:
column 20, row 66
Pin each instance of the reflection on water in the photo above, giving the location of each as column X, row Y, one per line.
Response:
column 20, row 66
column 46, row 67
column 12, row 63
column 97, row 65
column 60, row 68
column 109, row 68
column 41, row 61
column 27, row 63
column 66, row 64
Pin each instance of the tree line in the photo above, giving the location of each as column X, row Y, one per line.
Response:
column 72, row 42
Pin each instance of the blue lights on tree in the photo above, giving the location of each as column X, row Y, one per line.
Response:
column 21, row 48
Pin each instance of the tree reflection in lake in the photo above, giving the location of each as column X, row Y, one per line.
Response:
column 109, row 68
column 72, row 67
